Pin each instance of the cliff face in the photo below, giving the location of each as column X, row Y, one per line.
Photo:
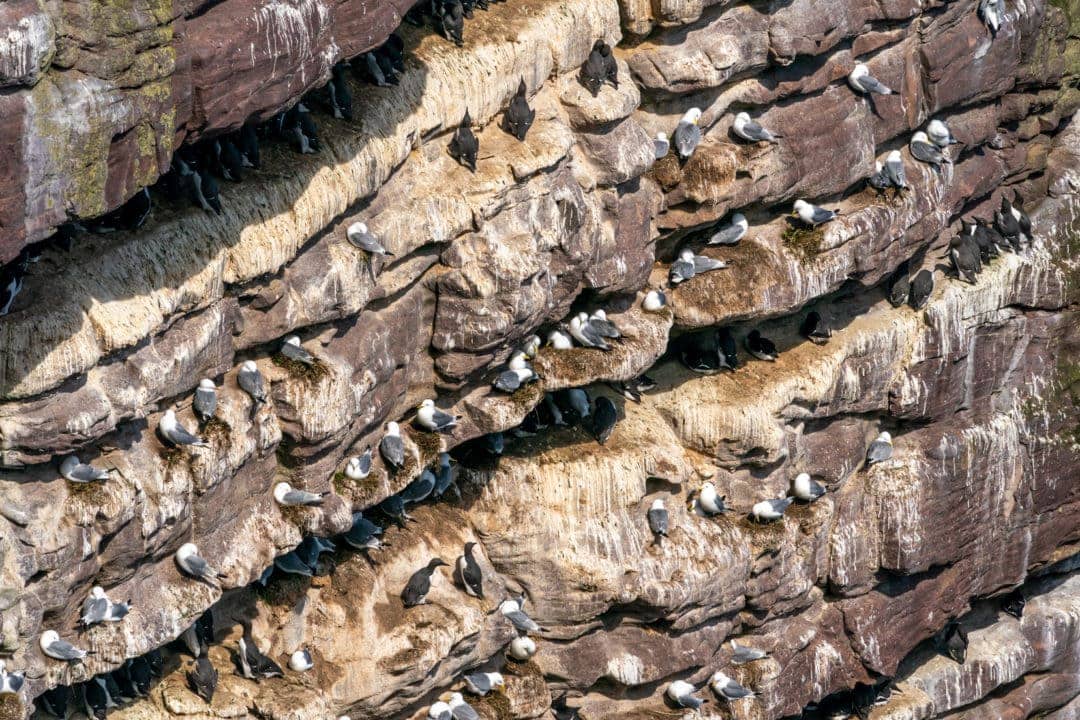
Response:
column 979, row 388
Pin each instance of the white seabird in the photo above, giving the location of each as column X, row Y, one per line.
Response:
column 359, row 467
column 658, row 518
column 531, row 346
column 292, row 349
column 582, row 331
column 661, row 145
column 440, row 711
column 806, row 489
column 286, row 495
column 742, row 654
column 894, row 169
column 880, row 450
column 925, row 151
column 682, row 694
column 655, row 301
column 250, row 381
column 433, row 419
column 747, row 129
column 300, row 661
column 58, row 649
column 359, row 235
column 391, row 447
column 189, row 560
column 461, row 709
column 10, row 682
column 769, row 510
column 709, row 501
column 812, row 214
column 98, row 608
column 862, row 81
column 731, row 233
column 484, row 682
column 522, row 648
column 75, row 471
column 939, row 134
column 992, row 13
column 689, row 265
column 512, row 611
column 176, row 434
column 688, row 133
column 559, row 340
column 205, row 401
column 727, row 688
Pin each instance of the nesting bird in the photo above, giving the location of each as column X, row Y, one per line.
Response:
column 300, row 661
column 359, row 467
column 747, row 129
column 360, row 236
column 433, row 419
column 654, row 301
column 522, row 648
column 688, row 265
column 78, row 472
column 863, row 82
column 519, row 116
column 250, row 381
column 288, row 496
column 176, row 434
column 484, row 682
column 880, row 450
column 922, row 286
column 98, row 608
column 925, row 151
column 939, row 134
column 460, row 709
column 731, row 233
column 518, row 374
column 463, row 145
column 658, row 519
column 292, row 349
column 10, row 682
column 205, row 401
column 742, row 654
column 681, row 693
column 815, row 329
column 709, row 501
column 727, row 688
column 514, row 611
column 661, row 145
column 806, row 488
column 770, row 510
column 559, row 340
column 583, row 331
column 58, row 649
column 813, row 215
column 760, row 346
column 894, row 170
column 688, row 134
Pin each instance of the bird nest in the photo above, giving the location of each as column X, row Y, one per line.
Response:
column 314, row 372
column 804, row 241
column 11, row 707
column 499, row 704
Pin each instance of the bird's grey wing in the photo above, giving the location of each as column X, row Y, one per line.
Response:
column 879, row 451
column 291, row 563
column 704, row 264
column 442, row 418
column 479, row 681
column 252, row 384
column 198, row 566
column 726, row 236
column 605, row 328
column 780, row 505
column 465, row 712
column 822, row 215
column 183, row 437
column 64, row 650
column 682, row 269
column 690, row 701
column 365, row 462
column 816, row 488
column 95, row 609
column 507, row 381
column 658, row 521
column 687, row 137
column 872, row 84
column 445, row 715
column 87, row 473
column 393, row 449
column 755, row 131
column 301, row 497
column 522, row 621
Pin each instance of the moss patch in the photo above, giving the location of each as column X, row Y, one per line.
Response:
column 216, row 429
column 173, row 457
column 666, row 172
column 429, row 444
column 806, row 242
column 311, row 373
column 91, row 493
column 283, row 590
column 11, row 707
column 499, row 704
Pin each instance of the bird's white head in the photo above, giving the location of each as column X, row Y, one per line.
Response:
column 187, row 550
column 392, row 428
column 427, row 403
column 742, row 117
column 885, row 437
column 692, row 116
column 207, row 384
column 49, row 637
column 600, row 314
column 280, row 490
column 293, row 340
column 97, row 591
column 894, row 157
column 249, row 366
column 357, row 228
column 708, row 488
column 686, row 254
column 937, row 127
column 920, row 136
column 719, row 678
column 661, row 136
column 801, row 205
column 517, row 361
column 877, row 166
column 168, row 420
column 860, row 70
column 658, row 504
column 497, row 679
column 456, row 699
column 740, row 220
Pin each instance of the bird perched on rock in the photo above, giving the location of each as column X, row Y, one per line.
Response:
column 518, row 374
column 519, row 116
column 78, row 472
column 522, row 648
column 300, row 661
column 440, row 711
column 1007, row 223
column 632, row 389
column 952, row 642
column 1022, row 218
column 661, row 145
column 176, row 434
column 583, row 331
column 340, row 95
column 359, row 235
column 433, row 419
column 611, row 66
column 205, row 401
column 394, row 507
column 760, row 346
column 658, row 519
column 806, row 489
column 688, row 134
column 815, row 329
column 96, row 699
column 654, row 301
column 416, row 590
column 863, row 82
column 202, row 678
column 925, row 151
column 419, row 489
column 939, row 134
column 708, row 500
column 603, row 327
column 10, row 682
column 681, row 693
column 462, row 710
column 813, row 215
column 55, row 701
column 964, row 253
column 880, row 450
column 292, row 349
column 899, row 285
column 1013, row 603
column 559, row 340
column 742, row 654
column 464, row 145
column 922, row 286
column 189, row 560
column 992, row 13
column 484, row 682
column 727, row 688
column 689, row 265
column 58, row 649
column 288, row 496
column 604, row 418
column 254, row 665
column 770, row 510
column 247, row 142
column 452, row 22
column 878, row 180
column 250, row 381
column 472, row 578
column 894, row 170
column 731, row 233
column 391, row 447
column 98, row 608
column 514, row 611
column 747, row 129
column 359, row 467
column 364, row 534
column 593, row 73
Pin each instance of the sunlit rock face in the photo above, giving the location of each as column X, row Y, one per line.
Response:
column 978, row 388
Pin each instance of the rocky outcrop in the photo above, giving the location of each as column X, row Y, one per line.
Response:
column 978, row 387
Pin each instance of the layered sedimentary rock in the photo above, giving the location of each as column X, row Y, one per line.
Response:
column 977, row 388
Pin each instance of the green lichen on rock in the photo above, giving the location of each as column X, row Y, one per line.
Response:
column 804, row 241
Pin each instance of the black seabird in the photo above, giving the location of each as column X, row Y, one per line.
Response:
column 519, row 116
column 416, row 590
column 464, row 145
column 472, row 579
